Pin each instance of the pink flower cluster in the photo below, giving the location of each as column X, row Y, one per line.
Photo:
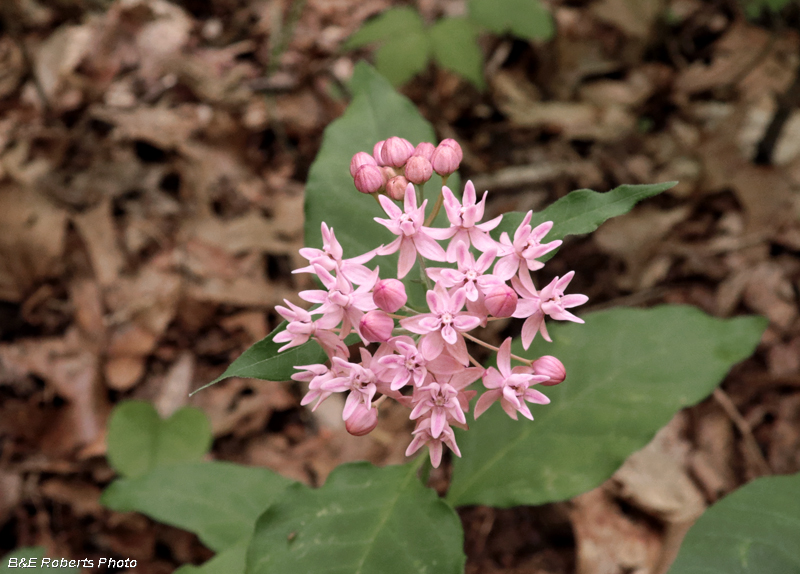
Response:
column 379, row 171
column 422, row 359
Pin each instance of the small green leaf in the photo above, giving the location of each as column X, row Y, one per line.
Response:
column 402, row 58
column 582, row 211
column 377, row 112
column 364, row 520
column 218, row 501
column 404, row 50
column 139, row 440
column 392, row 23
column 628, row 372
column 523, row 18
column 263, row 361
column 754, row 530
column 455, row 47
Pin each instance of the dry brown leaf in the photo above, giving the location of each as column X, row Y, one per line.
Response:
column 165, row 128
column 96, row 226
column 31, row 242
column 122, row 373
column 174, row 391
column 609, row 541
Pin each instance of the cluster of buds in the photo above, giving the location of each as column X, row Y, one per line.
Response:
column 421, row 359
column 395, row 163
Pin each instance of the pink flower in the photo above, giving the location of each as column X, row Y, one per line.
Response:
column 552, row 368
column 409, row 366
column 314, row 375
column 363, row 420
column 376, row 152
column 510, row 386
column 526, row 248
column 376, row 326
column 550, row 301
column 340, row 298
column 359, row 159
column 418, row 169
column 396, row 151
column 302, row 327
column 369, row 179
column 389, row 295
column 396, row 187
column 359, row 380
column 413, row 237
column 445, row 402
column 442, row 327
column 464, row 218
column 500, row 300
column 470, row 273
column 444, row 160
column 330, row 259
column 425, row 150
column 422, row 436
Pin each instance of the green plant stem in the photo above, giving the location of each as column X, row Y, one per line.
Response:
column 493, row 348
column 436, row 207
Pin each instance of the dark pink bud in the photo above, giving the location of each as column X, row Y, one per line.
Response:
column 418, row 169
column 376, row 326
column 551, row 367
column 389, row 294
column 376, row 152
column 369, row 179
column 361, row 158
column 396, row 187
column 501, row 300
column 445, row 159
column 425, row 150
column 363, row 420
column 396, row 151
column 450, row 142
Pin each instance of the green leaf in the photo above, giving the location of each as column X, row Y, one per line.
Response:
column 582, row 211
column 263, row 361
column 364, row 520
column 628, row 372
column 28, row 554
column 229, row 561
column 523, row 18
column 390, row 24
column 754, row 530
column 455, row 46
column 218, row 501
column 400, row 59
column 404, row 50
column 139, row 440
column 377, row 112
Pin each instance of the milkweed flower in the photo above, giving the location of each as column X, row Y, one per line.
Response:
column 421, row 359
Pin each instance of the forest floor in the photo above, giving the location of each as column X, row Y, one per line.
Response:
column 152, row 163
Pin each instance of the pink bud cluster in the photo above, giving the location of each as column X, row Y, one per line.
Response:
column 422, row 360
column 395, row 163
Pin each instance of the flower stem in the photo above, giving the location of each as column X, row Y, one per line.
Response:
column 436, row 207
column 474, row 362
column 493, row 348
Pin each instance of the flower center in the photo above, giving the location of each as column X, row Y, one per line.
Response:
column 446, row 318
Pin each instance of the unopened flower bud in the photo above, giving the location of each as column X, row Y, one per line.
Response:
column 376, row 152
column 450, row 142
column 369, row 179
column 396, row 187
column 388, row 173
column 551, row 367
column 425, row 149
column 396, row 151
column 376, row 326
column 501, row 300
column 418, row 169
column 389, row 294
column 445, row 160
column 362, row 421
column 361, row 158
